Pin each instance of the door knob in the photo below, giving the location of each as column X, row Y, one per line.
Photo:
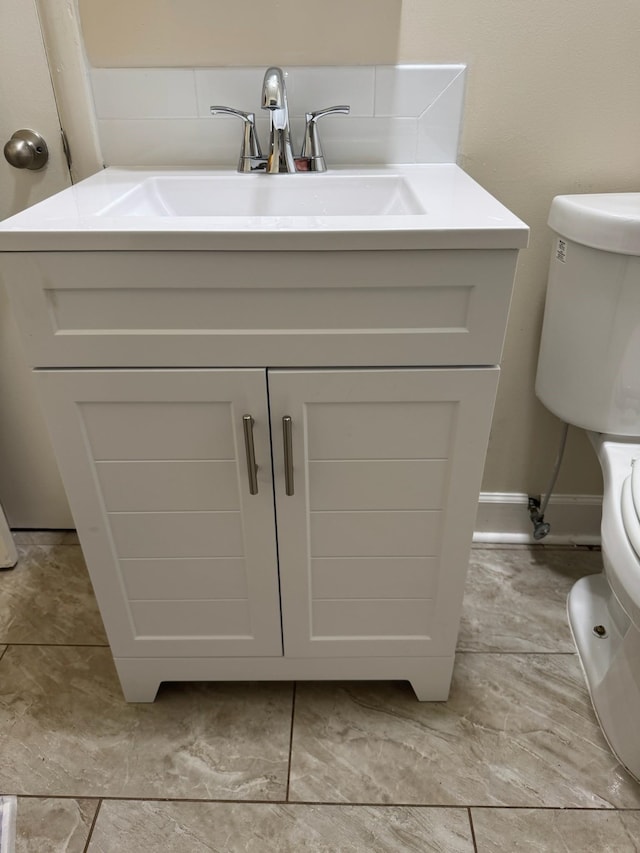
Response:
column 26, row 150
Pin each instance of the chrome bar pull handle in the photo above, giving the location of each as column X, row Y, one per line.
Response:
column 252, row 468
column 287, row 437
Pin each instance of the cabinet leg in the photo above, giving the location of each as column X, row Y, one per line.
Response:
column 425, row 693
column 431, row 679
column 138, row 684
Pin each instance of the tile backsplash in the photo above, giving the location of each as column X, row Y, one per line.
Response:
column 160, row 116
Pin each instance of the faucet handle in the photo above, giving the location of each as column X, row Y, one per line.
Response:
column 250, row 143
column 311, row 147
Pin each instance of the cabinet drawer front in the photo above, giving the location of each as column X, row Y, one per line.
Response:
column 247, row 308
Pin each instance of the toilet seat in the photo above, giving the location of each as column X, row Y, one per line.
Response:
column 635, row 482
column 630, row 504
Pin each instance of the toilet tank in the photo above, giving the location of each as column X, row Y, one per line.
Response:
column 589, row 361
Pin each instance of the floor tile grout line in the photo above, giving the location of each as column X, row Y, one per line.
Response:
column 447, row 806
column 568, row 652
column 93, row 825
column 329, row 803
column 473, row 831
column 293, row 715
column 57, row 645
column 534, row 546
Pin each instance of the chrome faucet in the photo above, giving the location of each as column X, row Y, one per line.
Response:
column 274, row 98
column 279, row 157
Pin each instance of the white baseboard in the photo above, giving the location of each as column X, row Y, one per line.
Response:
column 503, row 518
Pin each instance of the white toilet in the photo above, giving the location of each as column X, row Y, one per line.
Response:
column 589, row 375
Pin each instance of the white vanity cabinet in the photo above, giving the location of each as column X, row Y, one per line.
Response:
column 184, row 557
column 347, row 556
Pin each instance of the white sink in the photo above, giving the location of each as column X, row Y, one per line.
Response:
column 264, row 195
column 399, row 206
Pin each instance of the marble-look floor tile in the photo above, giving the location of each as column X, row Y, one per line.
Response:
column 518, row 730
column 65, row 730
column 149, row 827
column 45, row 537
column 53, row 825
column 515, row 601
column 48, row 598
column 551, row 831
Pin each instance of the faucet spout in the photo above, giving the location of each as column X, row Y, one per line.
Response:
column 274, row 98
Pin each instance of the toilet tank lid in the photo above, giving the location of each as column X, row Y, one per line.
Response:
column 608, row 221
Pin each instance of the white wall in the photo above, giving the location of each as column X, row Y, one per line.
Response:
column 551, row 107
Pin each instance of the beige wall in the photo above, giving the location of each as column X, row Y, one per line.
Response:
column 552, row 107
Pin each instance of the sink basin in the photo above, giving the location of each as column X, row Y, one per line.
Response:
column 395, row 206
column 262, row 195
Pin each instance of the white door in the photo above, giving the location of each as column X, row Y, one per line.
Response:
column 181, row 547
column 374, row 534
column 30, row 487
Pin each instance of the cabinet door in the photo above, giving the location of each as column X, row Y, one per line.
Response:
column 374, row 541
column 181, row 555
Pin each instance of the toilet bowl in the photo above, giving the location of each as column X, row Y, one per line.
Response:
column 604, row 611
column 589, row 376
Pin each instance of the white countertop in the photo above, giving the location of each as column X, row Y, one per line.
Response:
column 459, row 214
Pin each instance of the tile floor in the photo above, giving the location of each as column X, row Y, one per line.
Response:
column 514, row 761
